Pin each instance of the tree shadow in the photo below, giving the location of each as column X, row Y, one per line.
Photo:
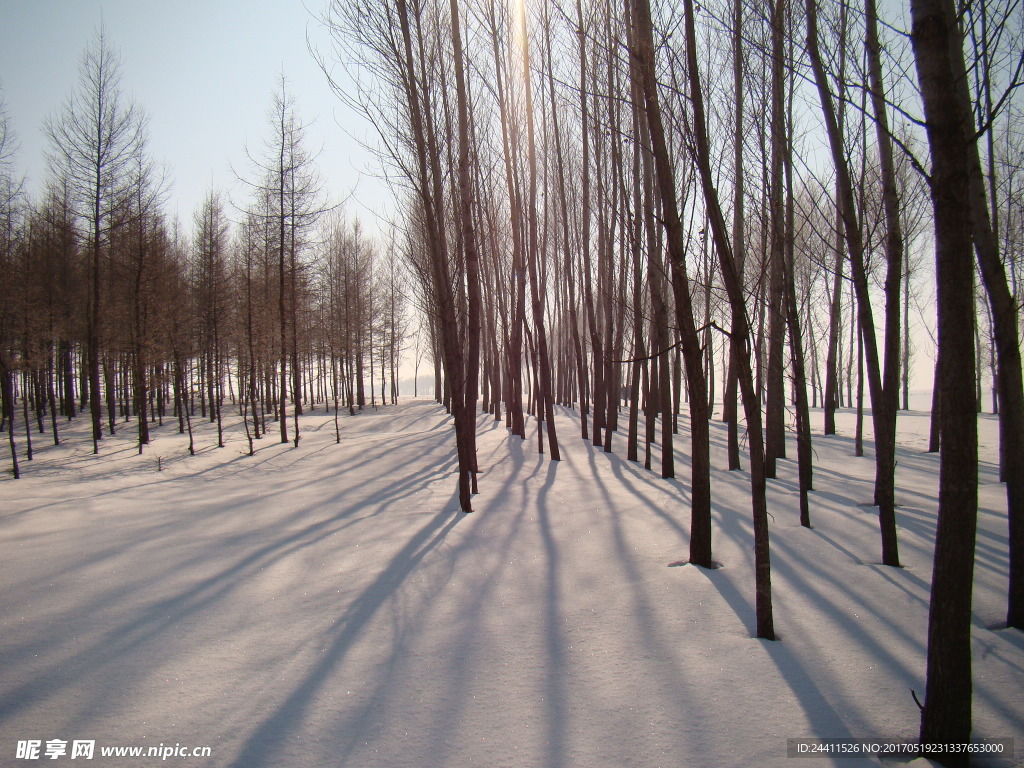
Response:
column 262, row 745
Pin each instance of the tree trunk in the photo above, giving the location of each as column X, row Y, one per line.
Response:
column 7, row 393
column 533, row 254
column 885, row 463
column 775, row 391
column 730, row 412
column 472, row 366
column 700, row 526
column 946, row 718
column 805, row 469
column 730, row 276
column 1009, row 381
column 428, row 184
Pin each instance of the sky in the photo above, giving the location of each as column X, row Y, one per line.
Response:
column 204, row 71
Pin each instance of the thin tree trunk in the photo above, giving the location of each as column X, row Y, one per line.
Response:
column 775, row 391
column 729, row 407
column 805, row 459
column 51, row 395
column 533, row 253
column 833, row 391
column 7, row 392
column 885, row 464
column 469, row 239
column 597, row 351
column 700, row 526
column 661, row 371
column 569, row 268
column 514, row 348
column 429, row 189
column 730, row 276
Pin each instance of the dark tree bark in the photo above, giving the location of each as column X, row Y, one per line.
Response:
column 514, row 343
column 533, row 256
column 469, row 239
column 751, row 404
column 729, row 408
column 661, row 371
column 805, row 469
column 775, row 405
column 700, row 527
column 597, row 350
column 885, row 460
column 1009, row 382
column 946, row 717
column 428, row 188
column 885, row 465
column 569, row 268
column 7, row 393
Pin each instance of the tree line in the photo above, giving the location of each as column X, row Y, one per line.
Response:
column 619, row 206
column 115, row 313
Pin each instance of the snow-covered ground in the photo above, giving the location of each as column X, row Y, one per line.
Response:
column 329, row 606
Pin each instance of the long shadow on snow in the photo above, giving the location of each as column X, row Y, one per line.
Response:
column 808, row 685
column 823, row 717
column 261, row 746
column 243, row 462
column 285, row 489
column 363, row 727
column 820, row 713
column 486, row 535
column 449, row 705
column 160, row 616
column 556, row 701
column 806, row 576
column 645, row 614
column 638, row 474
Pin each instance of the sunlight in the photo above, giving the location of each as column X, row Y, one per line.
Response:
column 519, row 36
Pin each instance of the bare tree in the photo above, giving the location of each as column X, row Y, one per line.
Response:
column 403, row 46
column 642, row 47
column 741, row 328
column 937, row 41
column 210, row 259
column 885, row 447
column 95, row 140
column 1005, row 312
column 10, row 192
column 288, row 188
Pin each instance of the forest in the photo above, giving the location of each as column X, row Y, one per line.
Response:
column 652, row 215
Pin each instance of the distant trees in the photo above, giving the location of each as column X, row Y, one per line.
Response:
column 10, row 193
column 362, row 302
column 96, row 140
column 213, row 305
column 288, row 190
column 109, row 307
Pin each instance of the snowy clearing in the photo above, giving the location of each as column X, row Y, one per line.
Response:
column 328, row 605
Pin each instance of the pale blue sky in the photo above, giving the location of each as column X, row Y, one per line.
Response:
column 203, row 70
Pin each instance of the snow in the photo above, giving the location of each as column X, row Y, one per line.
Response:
column 328, row 605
